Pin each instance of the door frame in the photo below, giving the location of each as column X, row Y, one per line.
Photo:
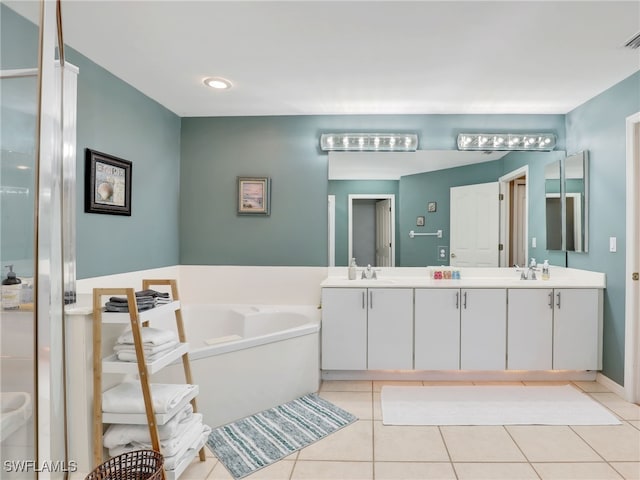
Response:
column 373, row 196
column 331, row 215
column 505, row 218
column 632, row 302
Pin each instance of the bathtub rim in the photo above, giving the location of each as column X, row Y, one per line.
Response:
column 310, row 312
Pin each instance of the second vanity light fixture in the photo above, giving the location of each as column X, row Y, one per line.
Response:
column 369, row 142
column 507, row 141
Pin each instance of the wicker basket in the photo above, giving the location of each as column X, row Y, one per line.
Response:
column 136, row 465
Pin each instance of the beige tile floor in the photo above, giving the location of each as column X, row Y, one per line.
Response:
column 369, row 450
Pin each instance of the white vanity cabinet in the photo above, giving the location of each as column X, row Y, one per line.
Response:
column 486, row 321
column 554, row 329
column 367, row 328
column 437, row 329
column 483, row 329
column 390, row 329
column 344, row 328
column 577, row 324
column 530, row 329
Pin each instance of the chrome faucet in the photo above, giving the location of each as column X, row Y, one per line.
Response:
column 369, row 273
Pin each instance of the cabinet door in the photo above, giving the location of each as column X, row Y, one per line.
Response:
column 576, row 329
column 483, row 329
column 344, row 328
column 390, row 328
column 437, row 329
column 530, row 329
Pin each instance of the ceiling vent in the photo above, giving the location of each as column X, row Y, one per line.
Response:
column 634, row 42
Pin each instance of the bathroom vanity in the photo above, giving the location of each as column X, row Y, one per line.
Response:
column 489, row 320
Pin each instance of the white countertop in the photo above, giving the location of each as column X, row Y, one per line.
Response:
column 419, row 277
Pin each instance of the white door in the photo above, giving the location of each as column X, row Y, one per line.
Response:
column 437, row 329
column 474, row 224
column 390, row 331
column 383, row 233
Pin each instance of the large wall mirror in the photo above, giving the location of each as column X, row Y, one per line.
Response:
column 567, row 202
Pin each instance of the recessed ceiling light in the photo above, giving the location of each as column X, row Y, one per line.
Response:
column 218, row 83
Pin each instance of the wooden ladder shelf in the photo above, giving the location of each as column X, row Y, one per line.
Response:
column 137, row 321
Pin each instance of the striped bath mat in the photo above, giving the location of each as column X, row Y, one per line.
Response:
column 266, row 437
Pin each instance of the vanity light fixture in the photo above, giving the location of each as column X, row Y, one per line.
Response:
column 218, row 83
column 507, row 141
column 369, row 142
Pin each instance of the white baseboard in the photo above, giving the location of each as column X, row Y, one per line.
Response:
column 611, row 385
column 460, row 375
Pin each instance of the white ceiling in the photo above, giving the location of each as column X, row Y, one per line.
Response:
column 359, row 57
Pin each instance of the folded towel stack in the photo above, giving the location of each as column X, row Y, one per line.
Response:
column 126, row 397
column 156, row 342
column 145, row 299
column 179, row 437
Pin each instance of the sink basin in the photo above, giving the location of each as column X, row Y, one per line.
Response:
column 15, row 412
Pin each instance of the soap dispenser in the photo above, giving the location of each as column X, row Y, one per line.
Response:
column 11, row 288
column 352, row 269
column 545, row 270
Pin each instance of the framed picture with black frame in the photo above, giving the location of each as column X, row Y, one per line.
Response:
column 107, row 185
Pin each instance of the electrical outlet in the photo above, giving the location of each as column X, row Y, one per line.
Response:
column 443, row 253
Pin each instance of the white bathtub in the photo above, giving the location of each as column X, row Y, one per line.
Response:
column 248, row 358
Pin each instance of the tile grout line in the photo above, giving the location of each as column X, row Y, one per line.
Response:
column 521, row 451
column 444, row 442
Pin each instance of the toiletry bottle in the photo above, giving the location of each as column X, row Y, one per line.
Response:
column 11, row 289
column 545, row 270
column 352, row 269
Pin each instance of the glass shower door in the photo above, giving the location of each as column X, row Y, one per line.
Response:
column 18, row 93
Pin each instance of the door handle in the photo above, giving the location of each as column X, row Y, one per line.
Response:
column 550, row 299
column 558, row 299
column 370, row 299
column 363, row 300
column 465, row 301
column 457, row 300
column 453, row 255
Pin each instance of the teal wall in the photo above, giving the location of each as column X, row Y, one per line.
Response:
column 342, row 189
column 114, row 118
column 216, row 150
column 117, row 119
column 599, row 126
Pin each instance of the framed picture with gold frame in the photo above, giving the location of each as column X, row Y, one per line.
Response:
column 254, row 195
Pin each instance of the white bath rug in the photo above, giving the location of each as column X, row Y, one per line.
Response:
column 492, row 405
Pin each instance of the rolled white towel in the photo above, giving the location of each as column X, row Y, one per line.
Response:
column 150, row 336
column 127, row 397
column 122, row 434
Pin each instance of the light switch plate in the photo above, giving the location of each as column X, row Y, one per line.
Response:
column 612, row 244
column 534, row 242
